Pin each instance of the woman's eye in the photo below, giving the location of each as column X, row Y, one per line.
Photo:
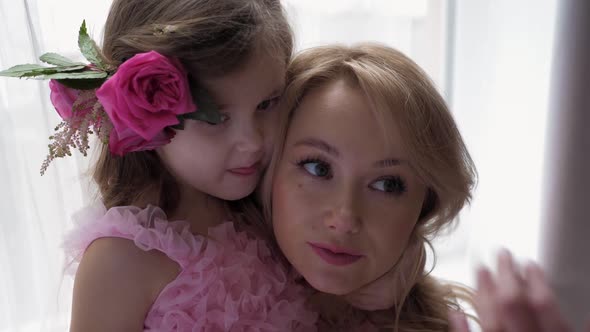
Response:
column 316, row 168
column 268, row 104
column 393, row 185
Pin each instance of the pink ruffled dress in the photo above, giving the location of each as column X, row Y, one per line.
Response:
column 228, row 281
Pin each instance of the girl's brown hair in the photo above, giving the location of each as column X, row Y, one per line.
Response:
column 399, row 93
column 214, row 37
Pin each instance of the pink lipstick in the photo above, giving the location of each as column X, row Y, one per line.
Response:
column 335, row 255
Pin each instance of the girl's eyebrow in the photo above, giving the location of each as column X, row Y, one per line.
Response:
column 277, row 91
column 216, row 98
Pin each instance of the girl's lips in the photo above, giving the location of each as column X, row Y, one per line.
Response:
column 245, row 171
column 333, row 255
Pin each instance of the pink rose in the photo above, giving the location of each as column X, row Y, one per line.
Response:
column 146, row 95
column 63, row 99
column 121, row 143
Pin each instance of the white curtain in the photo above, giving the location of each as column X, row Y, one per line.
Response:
column 35, row 211
column 500, row 72
column 490, row 58
column 565, row 219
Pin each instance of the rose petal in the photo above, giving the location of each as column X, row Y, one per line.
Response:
column 146, row 95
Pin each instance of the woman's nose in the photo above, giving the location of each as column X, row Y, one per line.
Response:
column 344, row 216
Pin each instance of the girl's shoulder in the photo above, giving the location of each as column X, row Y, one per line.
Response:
column 145, row 229
column 116, row 284
column 110, row 251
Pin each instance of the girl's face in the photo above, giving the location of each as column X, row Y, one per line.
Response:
column 226, row 160
column 344, row 202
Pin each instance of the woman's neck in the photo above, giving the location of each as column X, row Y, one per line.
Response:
column 329, row 305
column 199, row 209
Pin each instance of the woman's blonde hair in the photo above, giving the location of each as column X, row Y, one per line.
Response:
column 400, row 94
column 215, row 37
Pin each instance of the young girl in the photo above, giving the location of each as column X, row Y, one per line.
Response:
column 183, row 95
column 237, row 52
column 369, row 168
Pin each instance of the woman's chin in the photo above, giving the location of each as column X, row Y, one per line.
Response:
column 330, row 286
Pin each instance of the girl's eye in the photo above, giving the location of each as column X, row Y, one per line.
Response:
column 316, row 168
column 224, row 118
column 392, row 185
column 268, row 104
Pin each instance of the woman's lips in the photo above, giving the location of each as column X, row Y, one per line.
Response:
column 334, row 255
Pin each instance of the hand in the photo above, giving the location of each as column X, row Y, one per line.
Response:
column 513, row 301
column 377, row 295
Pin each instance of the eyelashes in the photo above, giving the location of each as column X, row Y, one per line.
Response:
column 391, row 184
column 264, row 106
column 321, row 169
column 268, row 104
column 224, row 118
column 316, row 167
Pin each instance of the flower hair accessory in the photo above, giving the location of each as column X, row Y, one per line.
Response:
column 134, row 107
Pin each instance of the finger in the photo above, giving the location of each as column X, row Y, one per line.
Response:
column 485, row 303
column 543, row 301
column 516, row 315
column 458, row 321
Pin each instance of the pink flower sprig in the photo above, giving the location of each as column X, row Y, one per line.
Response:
column 134, row 110
column 135, row 107
column 85, row 116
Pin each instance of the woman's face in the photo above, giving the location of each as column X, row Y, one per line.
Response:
column 344, row 201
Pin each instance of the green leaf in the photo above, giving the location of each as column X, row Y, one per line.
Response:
column 33, row 70
column 82, row 84
column 90, row 49
column 75, row 76
column 58, row 60
column 26, row 70
column 207, row 110
column 180, row 124
column 69, row 68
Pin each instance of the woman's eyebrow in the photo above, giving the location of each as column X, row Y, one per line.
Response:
column 389, row 162
column 318, row 144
